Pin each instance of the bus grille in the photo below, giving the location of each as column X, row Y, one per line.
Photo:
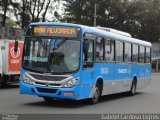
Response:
column 47, row 77
column 45, row 90
column 51, row 84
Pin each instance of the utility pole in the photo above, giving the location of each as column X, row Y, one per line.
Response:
column 95, row 14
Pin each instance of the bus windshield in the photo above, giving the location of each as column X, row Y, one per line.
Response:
column 51, row 55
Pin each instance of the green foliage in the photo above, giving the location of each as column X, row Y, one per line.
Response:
column 79, row 11
column 26, row 10
column 141, row 18
column 7, row 6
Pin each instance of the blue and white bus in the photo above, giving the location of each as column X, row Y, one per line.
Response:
column 70, row 61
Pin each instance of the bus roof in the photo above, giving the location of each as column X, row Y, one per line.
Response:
column 97, row 31
column 115, row 31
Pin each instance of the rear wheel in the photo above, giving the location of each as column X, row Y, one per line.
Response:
column 133, row 88
column 96, row 94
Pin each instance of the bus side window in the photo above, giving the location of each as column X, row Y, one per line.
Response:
column 127, row 52
column 135, row 53
column 109, row 50
column 88, row 53
column 148, row 55
column 119, row 51
column 141, row 54
column 99, row 49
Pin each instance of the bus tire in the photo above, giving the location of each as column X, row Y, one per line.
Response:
column 133, row 87
column 96, row 94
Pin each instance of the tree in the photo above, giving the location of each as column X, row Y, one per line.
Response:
column 79, row 11
column 149, row 20
column 7, row 5
column 21, row 12
column 39, row 7
column 46, row 9
column 138, row 17
column 33, row 10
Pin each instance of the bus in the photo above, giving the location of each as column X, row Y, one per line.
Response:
column 71, row 61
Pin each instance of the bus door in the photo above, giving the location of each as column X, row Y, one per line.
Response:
column 87, row 72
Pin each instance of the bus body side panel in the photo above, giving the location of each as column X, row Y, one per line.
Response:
column 123, row 77
column 142, row 68
column 143, row 74
column 87, row 83
column 148, row 74
column 136, row 73
column 107, row 71
column 116, row 77
column 101, row 71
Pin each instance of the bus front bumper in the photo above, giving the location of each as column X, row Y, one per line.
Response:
column 53, row 92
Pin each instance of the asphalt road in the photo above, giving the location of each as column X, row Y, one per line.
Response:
column 145, row 101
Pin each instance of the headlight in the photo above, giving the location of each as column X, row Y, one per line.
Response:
column 26, row 79
column 72, row 82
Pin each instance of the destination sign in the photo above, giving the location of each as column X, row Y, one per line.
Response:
column 59, row 31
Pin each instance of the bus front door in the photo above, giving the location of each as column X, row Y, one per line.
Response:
column 87, row 76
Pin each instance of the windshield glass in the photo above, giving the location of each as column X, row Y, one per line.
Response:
column 51, row 55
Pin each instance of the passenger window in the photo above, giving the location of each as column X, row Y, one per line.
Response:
column 148, row 55
column 135, row 53
column 127, row 52
column 109, row 50
column 119, row 51
column 99, row 49
column 141, row 54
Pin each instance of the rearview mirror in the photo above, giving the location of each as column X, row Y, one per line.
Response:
column 16, row 45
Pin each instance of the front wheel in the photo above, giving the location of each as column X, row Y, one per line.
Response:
column 96, row 94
